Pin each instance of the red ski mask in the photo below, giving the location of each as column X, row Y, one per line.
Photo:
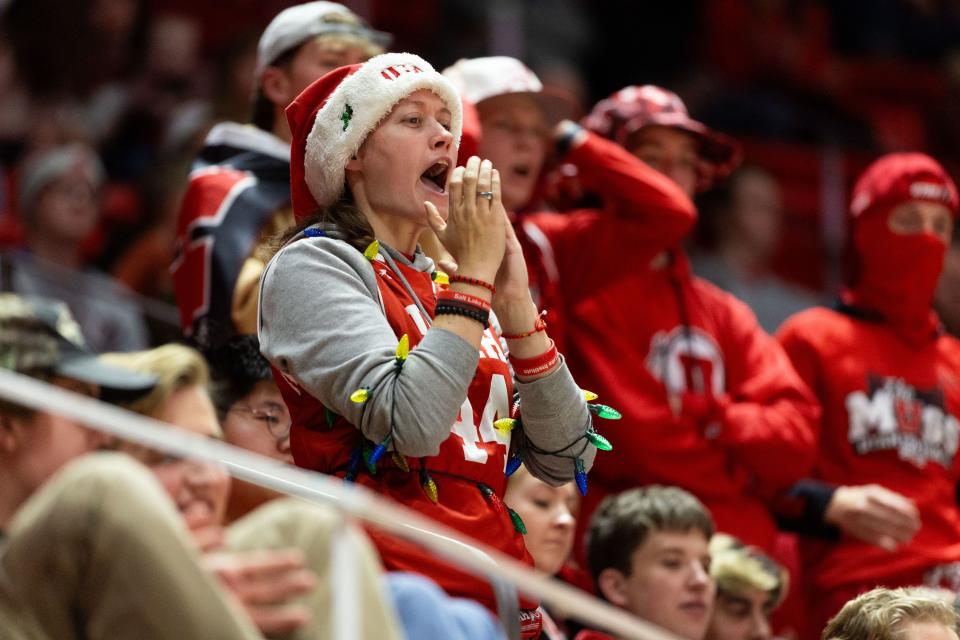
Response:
column 896, row 273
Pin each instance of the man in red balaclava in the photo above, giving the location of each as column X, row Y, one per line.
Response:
column 881, row 508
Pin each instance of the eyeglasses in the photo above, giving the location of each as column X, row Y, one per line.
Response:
column 276, row 418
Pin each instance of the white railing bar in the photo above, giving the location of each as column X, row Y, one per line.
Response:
column 355, row 500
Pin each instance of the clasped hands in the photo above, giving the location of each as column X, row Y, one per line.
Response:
column 479, row 238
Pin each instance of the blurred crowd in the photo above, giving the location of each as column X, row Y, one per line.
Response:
column 813, row 89
column 145, row 182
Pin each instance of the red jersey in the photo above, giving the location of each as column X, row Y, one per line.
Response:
column 639, row 334
column 473, row 455
column 889, row 417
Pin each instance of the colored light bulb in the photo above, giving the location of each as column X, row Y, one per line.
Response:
column 517, row 522
column 429, row 486
column 330, row 417
column 401, row 461
column 491, row 496
column 440, row 277
column 599, row 441
column 354, row 464
column 370, row 253
column 361, row 395
column 589, row 396
column 378, row 452
column 368, row 460
column 505, row 425
column 403, row 349
column 603, row 411
column 513, row 463
column 581, row 476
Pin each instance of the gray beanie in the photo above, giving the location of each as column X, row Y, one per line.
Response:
column 39, row 171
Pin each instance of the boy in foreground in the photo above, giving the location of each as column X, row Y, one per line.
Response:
column 648, row 553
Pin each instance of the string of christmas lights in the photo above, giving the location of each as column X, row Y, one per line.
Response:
column 371, row 454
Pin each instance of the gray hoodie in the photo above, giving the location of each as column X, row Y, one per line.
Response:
column 322, row 325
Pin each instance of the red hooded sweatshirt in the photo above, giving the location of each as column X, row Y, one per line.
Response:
column 887, row 379
column 710, row 402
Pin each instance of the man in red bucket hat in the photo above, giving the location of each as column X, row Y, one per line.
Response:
column 627, row 116
column 710, row 402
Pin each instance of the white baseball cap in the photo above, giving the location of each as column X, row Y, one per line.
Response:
column 479, row 79
column 299, row 23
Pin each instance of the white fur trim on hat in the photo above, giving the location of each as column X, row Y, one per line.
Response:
column 357, row 106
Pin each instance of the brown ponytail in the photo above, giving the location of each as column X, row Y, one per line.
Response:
column 343, row 216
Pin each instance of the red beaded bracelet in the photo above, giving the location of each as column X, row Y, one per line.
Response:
column 456, row 296
column 529, row 367
column 477, row 282
column 539, row 325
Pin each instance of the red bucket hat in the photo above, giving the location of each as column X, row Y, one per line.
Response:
column 633, row 108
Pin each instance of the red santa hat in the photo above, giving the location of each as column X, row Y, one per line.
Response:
column 901, row 177
column 334, row 115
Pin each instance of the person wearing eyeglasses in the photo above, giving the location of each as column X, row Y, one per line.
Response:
column 251, row 411
column 275, row 561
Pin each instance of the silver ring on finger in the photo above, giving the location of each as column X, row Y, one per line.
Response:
column 485, row 194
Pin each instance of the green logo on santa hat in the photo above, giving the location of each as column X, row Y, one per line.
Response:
column 346, row 116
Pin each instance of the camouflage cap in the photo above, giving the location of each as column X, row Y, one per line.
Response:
column 39, row 335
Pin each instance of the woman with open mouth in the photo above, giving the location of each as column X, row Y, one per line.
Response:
column 395, row 379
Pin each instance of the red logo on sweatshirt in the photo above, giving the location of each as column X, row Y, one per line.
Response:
column 895, row 416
